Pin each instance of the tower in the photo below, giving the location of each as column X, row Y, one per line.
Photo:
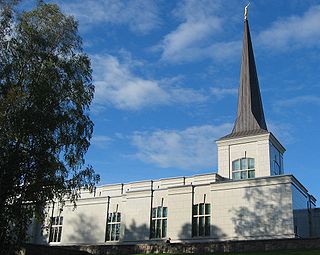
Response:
column 250, row 150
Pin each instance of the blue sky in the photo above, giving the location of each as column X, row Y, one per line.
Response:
column 167, row 74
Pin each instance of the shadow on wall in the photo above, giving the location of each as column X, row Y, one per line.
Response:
column 136, row 233
column 266, row 213
column 186, row 233
column 83, row 229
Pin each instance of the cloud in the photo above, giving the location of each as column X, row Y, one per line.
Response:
column 294, row 31
column 117, row 85
column 306, row 99
column 116, row 12
column 101, row 141
column 284, row 132
column 190, row 149
column 220, row 93
column 193, row 38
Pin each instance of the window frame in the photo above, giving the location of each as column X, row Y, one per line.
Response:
column 159, row 222
column 242, row 168
column 113, row 227
column 201, row 215
column 55, row 229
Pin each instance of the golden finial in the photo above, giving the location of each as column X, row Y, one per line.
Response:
column 246, row 11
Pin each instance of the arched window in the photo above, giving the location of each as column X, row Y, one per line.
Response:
column 243, row 168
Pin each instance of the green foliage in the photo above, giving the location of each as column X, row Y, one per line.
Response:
column 45, row 93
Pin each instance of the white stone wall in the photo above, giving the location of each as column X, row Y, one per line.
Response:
column 179, row 212
column 244, row 209
column 252, row 209
column 260, row 147
column 86, row 223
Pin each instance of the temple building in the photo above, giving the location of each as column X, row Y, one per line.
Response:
column 250, row 196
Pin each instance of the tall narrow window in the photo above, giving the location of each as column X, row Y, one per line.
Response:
column 159, row 222
column 243, row 168
column 113, row 226
column 56, row 229
column 201, row 219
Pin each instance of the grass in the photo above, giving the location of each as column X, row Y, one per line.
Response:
column 302, row 252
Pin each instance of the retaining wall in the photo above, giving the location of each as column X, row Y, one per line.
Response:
column 208, row 247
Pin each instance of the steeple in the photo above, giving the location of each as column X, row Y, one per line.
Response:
column 250, row 151
column 250, row 118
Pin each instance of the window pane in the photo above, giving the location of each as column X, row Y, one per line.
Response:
column 236, row 165
column 109, row 217
column 164, row 213
column 208, row 208
column 158, row 229
column 207, row 226
column 114, row 217
column 117, row 231
column 164, row 228
column 244, row 175
column 61, row 220
column 113, row 232
column 195, row 210
column 59, row 234
column 154, row 212
column 243, row 164
column 159, row 212
column 51, row 235
column 194, row 226
column 118, row 217
column 251, row 174
column 236, row 175
column 201, row 209
column 201, row 226
column 153, row 229
column 108, row 238
column 251, row 163
column 55, row 234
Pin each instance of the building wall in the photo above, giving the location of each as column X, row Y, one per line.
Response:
column 253, row 209
column 263, row 148
column 86, row 223
column 256, row 147
column 245, row 209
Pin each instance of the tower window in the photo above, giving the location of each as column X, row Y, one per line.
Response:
column 243, row 168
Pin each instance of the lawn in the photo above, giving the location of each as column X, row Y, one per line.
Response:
column 305, row 252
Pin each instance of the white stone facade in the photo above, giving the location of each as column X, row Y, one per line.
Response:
column 259, row 208
column 265, row 149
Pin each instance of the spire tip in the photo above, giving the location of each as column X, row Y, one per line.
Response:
column 246, row 11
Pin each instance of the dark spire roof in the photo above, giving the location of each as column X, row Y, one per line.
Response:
column 250, row 118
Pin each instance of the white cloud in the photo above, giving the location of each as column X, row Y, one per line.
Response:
column 192, row 148
column 193, row 38
column 101, row 141
column 220, row 93
column 290, row 102
column 117, row 85
column 284, row 132
column 116, row 12
column 294, row 31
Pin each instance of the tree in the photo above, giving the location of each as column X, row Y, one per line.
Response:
column 45, row 129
